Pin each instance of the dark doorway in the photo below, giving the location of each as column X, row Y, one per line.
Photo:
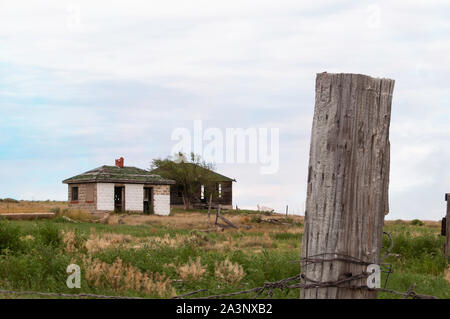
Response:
column 148, row 200
column 119, row 198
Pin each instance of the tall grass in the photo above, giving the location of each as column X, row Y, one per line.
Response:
column 160, row 261
column 9, row 237
column 419, row 254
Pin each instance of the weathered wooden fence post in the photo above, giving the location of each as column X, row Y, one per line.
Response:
column 348, row 180
column 209, row 210
column 447, row 228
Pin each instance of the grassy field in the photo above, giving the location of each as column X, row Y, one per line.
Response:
column 160, row 257
column 15, row 206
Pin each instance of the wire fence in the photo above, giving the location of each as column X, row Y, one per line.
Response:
column 57, row 294
column 267, row 288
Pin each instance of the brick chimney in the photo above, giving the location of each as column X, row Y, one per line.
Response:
column 119, row 162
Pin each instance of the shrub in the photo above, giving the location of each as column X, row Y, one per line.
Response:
column 50, row 235
column 413, row 247
column 124, row 277
column 40, row 269
column 229, row 272
column 73, row 241
column 9, row 237
column 193, row 270
column 417, row 222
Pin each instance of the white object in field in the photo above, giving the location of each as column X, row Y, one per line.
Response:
column 265, row 209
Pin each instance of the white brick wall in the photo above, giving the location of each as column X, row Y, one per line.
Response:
column 105, row 196
column 161, row 204
column 134, row 197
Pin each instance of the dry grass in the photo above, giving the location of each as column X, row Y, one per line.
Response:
column 176, row 241
column 197, row 220
column 193, row 270
column 263, row 241
column 176, row 221
column 229, row 272
column 432, row 223
column 119, row 276
column 122, row 277
column 34, row 207
column 97, row 242
column 31, row 206
column 167, row 241
column 69, row 240
column 427, row 223
column 255, row 243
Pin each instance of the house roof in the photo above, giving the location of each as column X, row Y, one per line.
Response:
column 114, row 174
column 216, row 176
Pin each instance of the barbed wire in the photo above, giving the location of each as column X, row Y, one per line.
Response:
column 341, row 283
column 267, row 287
column 57, row 294
column 391, row 245
column 283, row 284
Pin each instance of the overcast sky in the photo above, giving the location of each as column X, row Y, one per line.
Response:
column 85, row 82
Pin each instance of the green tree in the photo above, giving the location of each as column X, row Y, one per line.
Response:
column 190, row 174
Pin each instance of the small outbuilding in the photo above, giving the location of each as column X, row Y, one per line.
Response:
column 120, row 188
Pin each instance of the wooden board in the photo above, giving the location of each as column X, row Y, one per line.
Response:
column 348, row 178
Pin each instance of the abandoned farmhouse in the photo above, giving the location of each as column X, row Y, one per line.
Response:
column 126, row 188
column 120, row 188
